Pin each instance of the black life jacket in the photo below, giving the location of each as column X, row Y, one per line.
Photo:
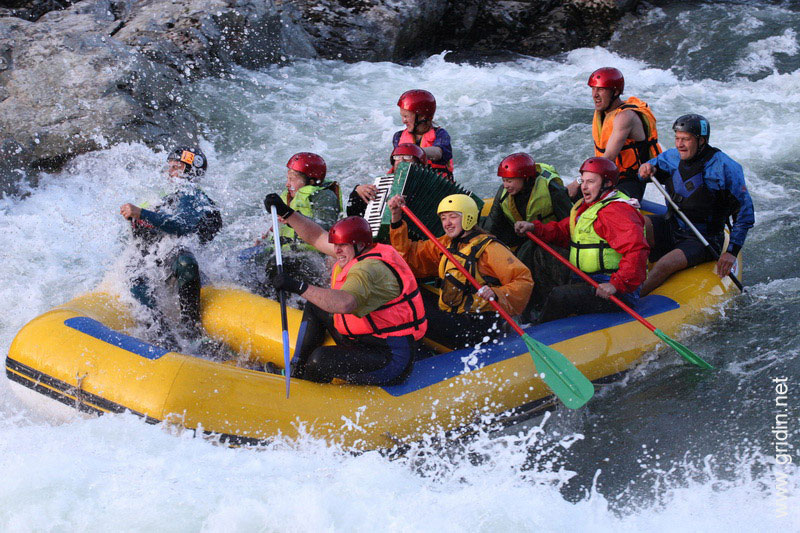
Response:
column 705, row 209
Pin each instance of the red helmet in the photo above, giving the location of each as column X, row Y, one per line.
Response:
column 605, row 167
column 309, row 164
column 418, row 101
column 607, row 77
column 350, row 230
column 409, row 149
column 519, row 165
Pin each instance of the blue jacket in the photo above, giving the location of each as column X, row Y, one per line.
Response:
column 720, row 174
column 186, row 211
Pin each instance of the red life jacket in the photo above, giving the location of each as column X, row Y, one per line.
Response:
column 444, row 167
column 404, row 315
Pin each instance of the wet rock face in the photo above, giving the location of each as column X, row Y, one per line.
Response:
column 31, row 9
column 539, row 27
column 381, row 30
column 372, row 30
column 67, row 88
column 101, row 71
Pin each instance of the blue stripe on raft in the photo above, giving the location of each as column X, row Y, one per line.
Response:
column 96, row 329
column 444, row 366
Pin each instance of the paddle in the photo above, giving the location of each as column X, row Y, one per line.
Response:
column 680, row 348
column 282, row 297
column 566, row 381
column 713, row 251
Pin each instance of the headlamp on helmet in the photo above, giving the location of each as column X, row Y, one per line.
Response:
column 195, row 163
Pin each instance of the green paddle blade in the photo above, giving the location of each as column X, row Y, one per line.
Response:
column 685, row 352
column 567, row 382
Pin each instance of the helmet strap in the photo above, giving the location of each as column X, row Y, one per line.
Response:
column 417, row 122
column 359, row 248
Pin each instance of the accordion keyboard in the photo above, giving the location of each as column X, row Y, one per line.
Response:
column 375, row 207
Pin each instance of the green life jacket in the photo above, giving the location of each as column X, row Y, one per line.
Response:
column 588, row 251
column 540, row 205
column 302, row 203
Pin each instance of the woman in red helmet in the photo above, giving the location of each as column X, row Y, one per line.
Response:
column 308, row 192
column 623, row 131
column 417, row 108
column 373, row 308
column 530, row 191
column 605, row 236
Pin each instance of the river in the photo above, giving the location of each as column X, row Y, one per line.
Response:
column 670, row 447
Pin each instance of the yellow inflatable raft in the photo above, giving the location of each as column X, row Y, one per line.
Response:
column 79, row 355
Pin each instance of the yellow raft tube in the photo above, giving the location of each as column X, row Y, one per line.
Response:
column 79, row 355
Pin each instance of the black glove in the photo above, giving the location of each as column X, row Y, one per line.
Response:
column 283, row 210
column 285, row 282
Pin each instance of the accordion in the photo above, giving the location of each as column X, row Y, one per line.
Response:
column 423, row 188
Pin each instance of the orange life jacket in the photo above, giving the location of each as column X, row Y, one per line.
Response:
column 445, row 167
column 633, row 153
column 404, row 315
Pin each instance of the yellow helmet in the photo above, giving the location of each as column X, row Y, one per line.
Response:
column 461, row 203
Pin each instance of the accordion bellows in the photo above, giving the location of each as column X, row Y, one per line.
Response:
column 423, row 188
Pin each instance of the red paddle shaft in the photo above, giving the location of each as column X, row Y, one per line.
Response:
column 460, row 267
column 590, row 281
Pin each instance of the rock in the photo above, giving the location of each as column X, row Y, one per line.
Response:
column 397, row 30
column 31, row 9
column 102, row 72
column 68, row 88
column 206, row 37
column 371, row 30
column 537, row 28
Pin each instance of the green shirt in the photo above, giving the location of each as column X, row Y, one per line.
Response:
column 372, row 283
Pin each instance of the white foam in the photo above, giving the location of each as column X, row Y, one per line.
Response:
column 760, row 55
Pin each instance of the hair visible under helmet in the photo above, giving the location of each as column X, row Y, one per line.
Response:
column 606, row 168
column 461, row 203
column 518, row 165
column 695, row 124
column 311, row 165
